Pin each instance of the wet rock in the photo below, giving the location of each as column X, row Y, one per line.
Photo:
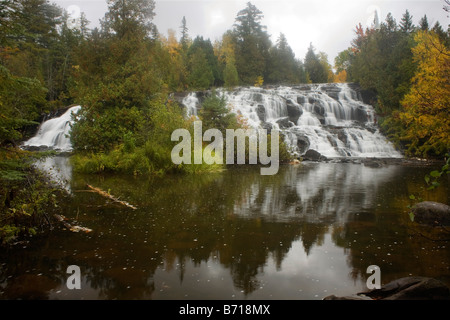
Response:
column 319, row 108
column 294, row 111
column 301, row 100
column 361, row 114
column 261, row 112
column 431, row 213
column 373, row 163
column 285, row 123
column 267, row 126
column 302, row 143
column 313, row 155
column 408, row 288
column 332, row 91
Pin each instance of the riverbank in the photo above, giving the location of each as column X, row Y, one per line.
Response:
column 28, row 197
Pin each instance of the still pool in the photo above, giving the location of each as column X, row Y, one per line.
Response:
column 305, row 233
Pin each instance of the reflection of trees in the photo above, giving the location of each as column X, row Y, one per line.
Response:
column 377, row 236
column 239, row 216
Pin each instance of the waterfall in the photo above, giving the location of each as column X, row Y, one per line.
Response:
column 54, row 133
column 329, row 118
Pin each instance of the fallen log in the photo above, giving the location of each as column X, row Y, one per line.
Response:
column 72, row 228
column 110, row 197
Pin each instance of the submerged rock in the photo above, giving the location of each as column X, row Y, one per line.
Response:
column 408, row 288
column 431, row 213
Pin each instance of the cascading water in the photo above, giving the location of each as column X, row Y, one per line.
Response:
column 54, row 133
column 329, row 118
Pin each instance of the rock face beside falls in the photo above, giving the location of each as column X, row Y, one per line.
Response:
column 331, row 119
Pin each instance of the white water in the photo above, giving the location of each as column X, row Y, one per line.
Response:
column 328, row 118
column 334, row 120
column 54, row 133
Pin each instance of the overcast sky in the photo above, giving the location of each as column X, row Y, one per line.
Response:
column 327, row 24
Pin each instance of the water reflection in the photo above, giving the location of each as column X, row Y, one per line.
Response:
column 307, row 232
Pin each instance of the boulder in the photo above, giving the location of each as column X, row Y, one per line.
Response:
column 301, row 100
column 313, row 155
column 431, row 213
column 332, row 91
column 294, row 111
column 361, row 114
column 261, row 112
column 407, row 288
column 266, row 126
column 285, row 123
column 319, row 108
column 302, row 143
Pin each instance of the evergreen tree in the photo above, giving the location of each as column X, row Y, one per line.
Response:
column 252, row 44
column 184, row 40
column 316, row 70
column 129, row 18
column 282, row 66
column 206, row 49
column 423, row 23
column 406, row 24
column 200, row 73
column 391, row 24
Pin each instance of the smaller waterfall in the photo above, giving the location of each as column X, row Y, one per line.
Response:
column 54, row 133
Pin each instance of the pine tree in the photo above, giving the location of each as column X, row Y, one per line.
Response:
column 252, row 44
column 184, row 40
column 406, row 24
column 129, row 18
column 423, row 23
column 315, row 69
column 200, row 73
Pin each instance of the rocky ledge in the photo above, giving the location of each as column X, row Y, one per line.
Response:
column 408, row 288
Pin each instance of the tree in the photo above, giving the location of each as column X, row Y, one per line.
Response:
column 21, row 102
column 215, row 114
column 423, row 23
column 252, row 44
column 10, row 28
column 230, row 74
column 200, row 73
column 391, row 24
column 248, row 22
column 316, row 70
column 381, row 61
column 204, row 48
column 406, row 23
column 443, row 36
column 323, row 58
column 425, row 115
column 343, row 60
column 282, row 65
column 129, row 18
column 184, row 40
column 225, row 53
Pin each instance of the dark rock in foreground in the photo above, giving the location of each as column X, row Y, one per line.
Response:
column 431, row 213
column 313, row 155
column 408, row 288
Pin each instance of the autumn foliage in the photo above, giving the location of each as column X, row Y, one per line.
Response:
column 426, row 108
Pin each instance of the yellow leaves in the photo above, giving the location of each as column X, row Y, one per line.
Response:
column 341, row 77
column 426, row 107
column 259, row 81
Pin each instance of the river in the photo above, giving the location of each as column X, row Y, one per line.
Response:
column 305, row 233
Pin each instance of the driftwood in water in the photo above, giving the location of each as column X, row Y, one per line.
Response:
column 110, row 197
column 72, row 228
